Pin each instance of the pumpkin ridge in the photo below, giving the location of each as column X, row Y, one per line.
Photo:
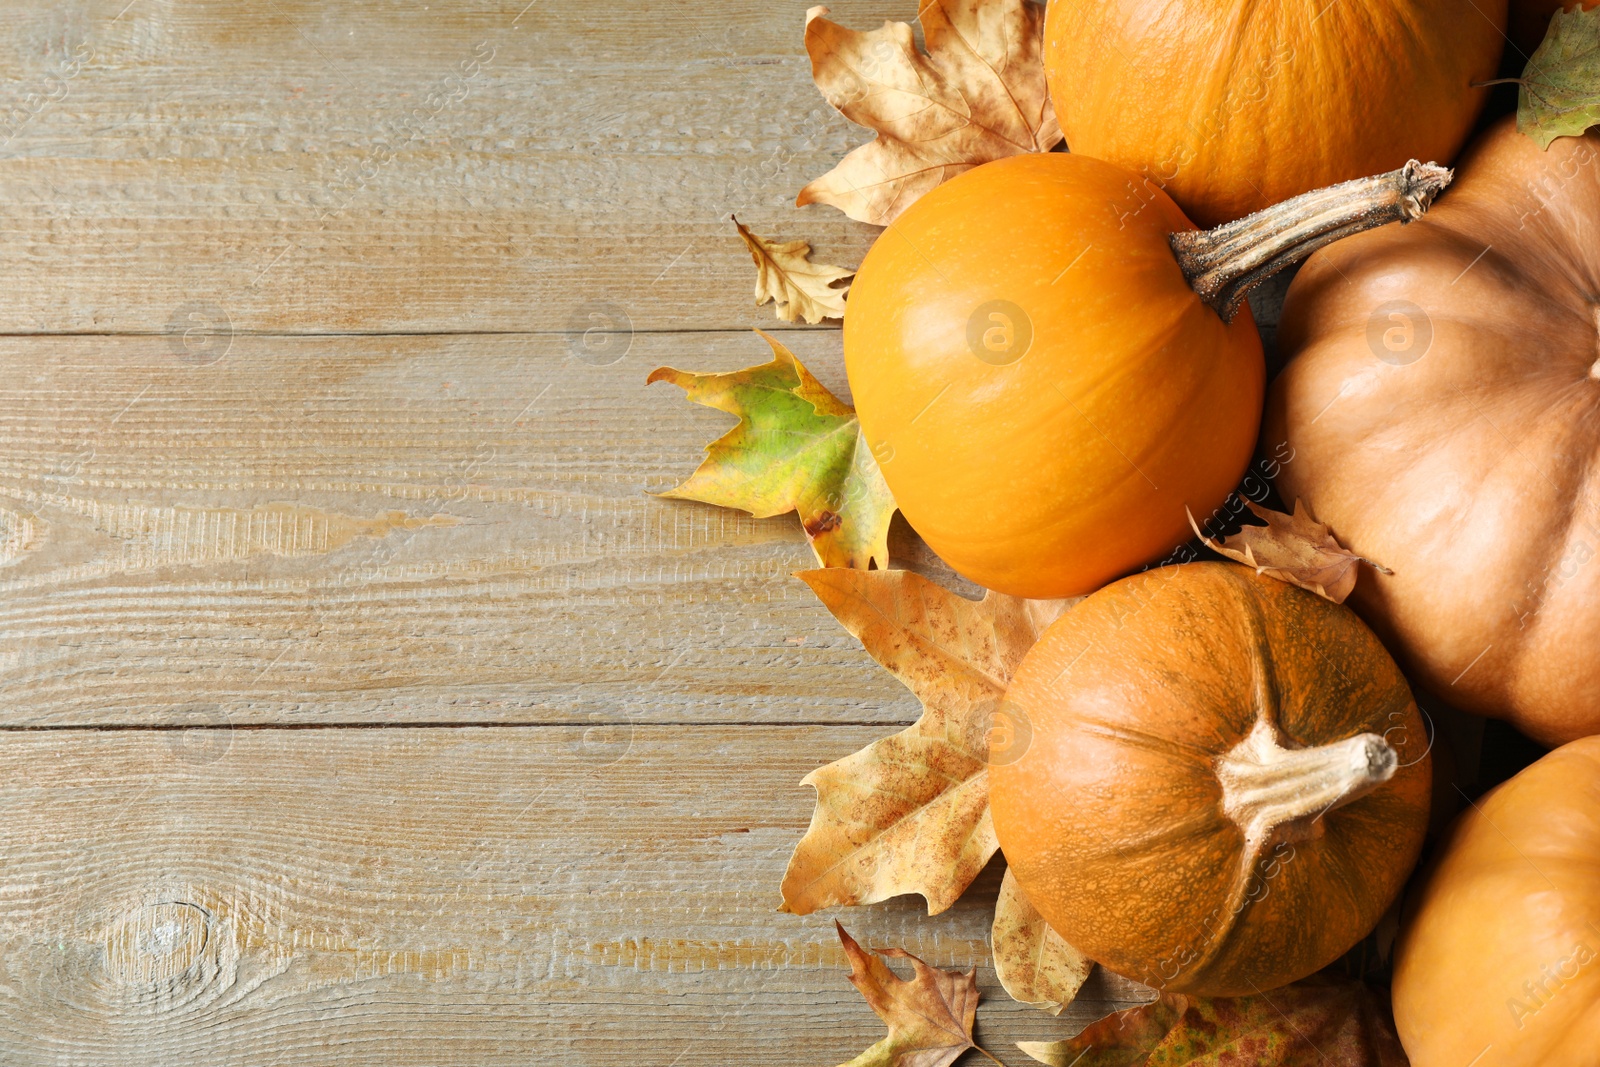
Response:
column 1142, row 740
column 1340, row 866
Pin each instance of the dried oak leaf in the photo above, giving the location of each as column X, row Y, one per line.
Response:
column 929, row 1018
column 797, row 448
column 1033, row 962
column 978, row 94
column 1560, row 87
column 1293, row 548
column 910, row 813
column 1317, row 1022
column 798, row 288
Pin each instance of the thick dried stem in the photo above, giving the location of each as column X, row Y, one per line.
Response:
column 1225, row 263
column 1268, row 788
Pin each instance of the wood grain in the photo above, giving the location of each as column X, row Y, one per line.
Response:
column 361, row 706
column 409, row 896
column 467, row 165
column 429, row 529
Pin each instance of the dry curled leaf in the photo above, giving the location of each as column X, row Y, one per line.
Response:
column 1560, row 87
column 1033, row 962
column 798, row 288
column 1293, row 548
column 929, row 1017
column 1316, row 1022
column 978, row 94
column 910, row 813
column 797, row 448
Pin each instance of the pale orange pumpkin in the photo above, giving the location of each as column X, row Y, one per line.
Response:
column 1041, row 383
column 1226, row 780
column 1440, row 409
column 1498, row 963
column 1232, row 106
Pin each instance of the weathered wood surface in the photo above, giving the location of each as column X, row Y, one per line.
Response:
column 324, row 438
column 437, row 529
column 307, row 166
column 463, row 896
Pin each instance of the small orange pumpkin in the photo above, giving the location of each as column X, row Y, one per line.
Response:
column 1233, row 106
column 1498, row 963
column 1227, row 780
column 1042, row 384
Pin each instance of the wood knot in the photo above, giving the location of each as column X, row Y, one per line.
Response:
column 19, row 535
column 166, row 954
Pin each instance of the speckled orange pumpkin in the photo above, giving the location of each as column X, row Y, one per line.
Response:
column 1227, row 781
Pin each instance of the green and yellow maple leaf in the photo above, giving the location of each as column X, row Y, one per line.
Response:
column 1560, row 88
column 797, row 448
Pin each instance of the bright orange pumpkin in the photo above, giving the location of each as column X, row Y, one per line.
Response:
column 1441, row 412
column 1233, row 105
column 1227, row 780
column 1042, row 387
column 1498, row 964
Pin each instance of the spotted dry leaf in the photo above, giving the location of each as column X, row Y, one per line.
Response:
column 978, row 94
column 910, row 813
column 1296, row 549
column 1316, row 1022
column 929, row 1017
column 799, row 289
column 1033, row 962
column 1560, row 87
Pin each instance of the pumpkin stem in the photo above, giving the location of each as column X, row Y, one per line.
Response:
column 1223, row 264
column 1267, row 786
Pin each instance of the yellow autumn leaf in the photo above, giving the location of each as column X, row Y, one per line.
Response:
column 976, row 95
column 1033, row 962
column 910, row 813
column 799, row 289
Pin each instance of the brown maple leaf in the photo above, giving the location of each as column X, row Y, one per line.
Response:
column 798, row 288
column 1296, row 549
column 929, row 1017
column 1033, row 962
column 1316, row 1022
column 978, row 94
column 910, row 813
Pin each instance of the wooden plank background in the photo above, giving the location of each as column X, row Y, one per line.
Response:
column 360, row 704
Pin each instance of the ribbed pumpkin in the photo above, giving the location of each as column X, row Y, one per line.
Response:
column 1042, row 384
column 1227, row 781
column 1499, row 961
column 1232, row 105
column 1441, row 407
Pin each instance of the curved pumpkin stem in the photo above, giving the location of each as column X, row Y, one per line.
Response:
column 1267, row 786
column 1223, row 264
